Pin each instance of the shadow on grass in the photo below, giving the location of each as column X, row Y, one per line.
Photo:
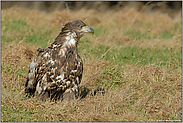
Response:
column 84, row 91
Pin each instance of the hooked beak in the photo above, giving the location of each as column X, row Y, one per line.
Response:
column 88, row 29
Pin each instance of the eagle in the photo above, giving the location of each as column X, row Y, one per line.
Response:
column 58, row 67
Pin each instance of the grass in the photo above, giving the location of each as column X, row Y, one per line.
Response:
column 142, row 78
column 19, row 28
column 136, row 55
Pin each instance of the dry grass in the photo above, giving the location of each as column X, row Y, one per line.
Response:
column 142, row 93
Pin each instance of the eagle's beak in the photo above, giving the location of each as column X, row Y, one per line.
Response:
column 88, row 29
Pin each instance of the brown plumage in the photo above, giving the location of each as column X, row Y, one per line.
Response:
column 58, row 67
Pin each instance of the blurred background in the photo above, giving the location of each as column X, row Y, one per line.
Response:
column 170, row 7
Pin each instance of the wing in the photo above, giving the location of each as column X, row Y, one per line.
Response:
column 54, row 73
column 35, row 74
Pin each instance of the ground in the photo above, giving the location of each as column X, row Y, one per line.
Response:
column 132, row 66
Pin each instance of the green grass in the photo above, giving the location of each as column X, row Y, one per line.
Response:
column 18, row 113
column 101, row 30
column 16, row 30
column 14, row 24
column 136, row 33
column 136, row 55
column 8, row 69
column 139, row 35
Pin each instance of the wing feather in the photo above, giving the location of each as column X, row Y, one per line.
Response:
column 50, row 72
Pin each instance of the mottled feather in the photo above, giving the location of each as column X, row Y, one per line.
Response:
column 58, row 67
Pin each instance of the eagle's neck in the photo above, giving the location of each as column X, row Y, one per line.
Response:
column 71, row 40
column 66, row 39
column 66, row 43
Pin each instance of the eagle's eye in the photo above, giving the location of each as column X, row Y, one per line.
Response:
column 80, row 26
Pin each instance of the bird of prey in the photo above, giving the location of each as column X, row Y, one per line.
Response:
column 58, row 67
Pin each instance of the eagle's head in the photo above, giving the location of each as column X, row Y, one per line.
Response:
column 79, row 27
column 71, row 34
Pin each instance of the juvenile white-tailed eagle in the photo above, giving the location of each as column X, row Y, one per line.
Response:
column 58, row 67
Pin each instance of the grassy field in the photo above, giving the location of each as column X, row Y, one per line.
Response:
column 132, row 66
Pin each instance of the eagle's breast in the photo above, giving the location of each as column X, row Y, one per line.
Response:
column 65, row 66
